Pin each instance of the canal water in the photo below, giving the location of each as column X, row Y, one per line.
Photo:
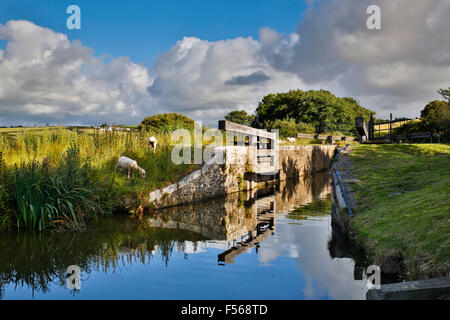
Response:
column 276, row 243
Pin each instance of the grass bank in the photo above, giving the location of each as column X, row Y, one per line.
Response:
column 403, row 206
column 66, row 175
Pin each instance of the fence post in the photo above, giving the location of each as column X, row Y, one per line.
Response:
column 390, row 129
column 371, row 128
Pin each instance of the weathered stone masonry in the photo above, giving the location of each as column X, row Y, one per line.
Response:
column 214, row 180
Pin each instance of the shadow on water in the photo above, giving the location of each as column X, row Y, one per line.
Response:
column 341, row 246
column 233, row 225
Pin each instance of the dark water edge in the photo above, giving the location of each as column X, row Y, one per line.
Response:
column 275, row 243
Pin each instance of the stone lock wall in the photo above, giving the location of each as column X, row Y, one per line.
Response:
column 212, row 180
column 216, row 179
column 297, row 161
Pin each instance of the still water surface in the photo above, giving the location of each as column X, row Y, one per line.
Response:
column 273, row 244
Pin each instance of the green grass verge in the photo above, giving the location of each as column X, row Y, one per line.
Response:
column 404, row 204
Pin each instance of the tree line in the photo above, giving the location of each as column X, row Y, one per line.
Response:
column 313, row 111
column 303, row 111
column 306, row 112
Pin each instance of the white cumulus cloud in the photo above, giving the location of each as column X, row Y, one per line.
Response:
column 46, row 78
column 208, row 79
column 398, row 68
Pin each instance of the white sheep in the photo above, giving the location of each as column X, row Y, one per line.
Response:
column 110, row 129
column 129, row 164
column 290, row 139
column 152, row 143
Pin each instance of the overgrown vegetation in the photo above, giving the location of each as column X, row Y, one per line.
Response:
column 63, row 176
column 404, row 205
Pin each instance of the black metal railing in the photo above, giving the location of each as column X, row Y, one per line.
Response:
column 388, row 131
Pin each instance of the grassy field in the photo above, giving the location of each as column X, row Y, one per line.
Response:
column 385, row 126
column 396, row 125
column 102, row 149
column 403, row 210
column 16, row 130
column 39, row 162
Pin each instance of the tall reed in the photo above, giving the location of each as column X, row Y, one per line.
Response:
column 46, row 195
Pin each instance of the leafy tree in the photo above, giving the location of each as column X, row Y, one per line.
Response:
column 241, row 117
column 436, row 116
column 166, row 122
column 313, row 107
column 445, row 93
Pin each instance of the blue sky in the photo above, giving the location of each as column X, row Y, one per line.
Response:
column 205, row 58
column 141, row 29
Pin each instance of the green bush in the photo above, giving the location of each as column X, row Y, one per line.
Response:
column 166, row 122
column 305, row 128
column 436, row 116
column 289, row 128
